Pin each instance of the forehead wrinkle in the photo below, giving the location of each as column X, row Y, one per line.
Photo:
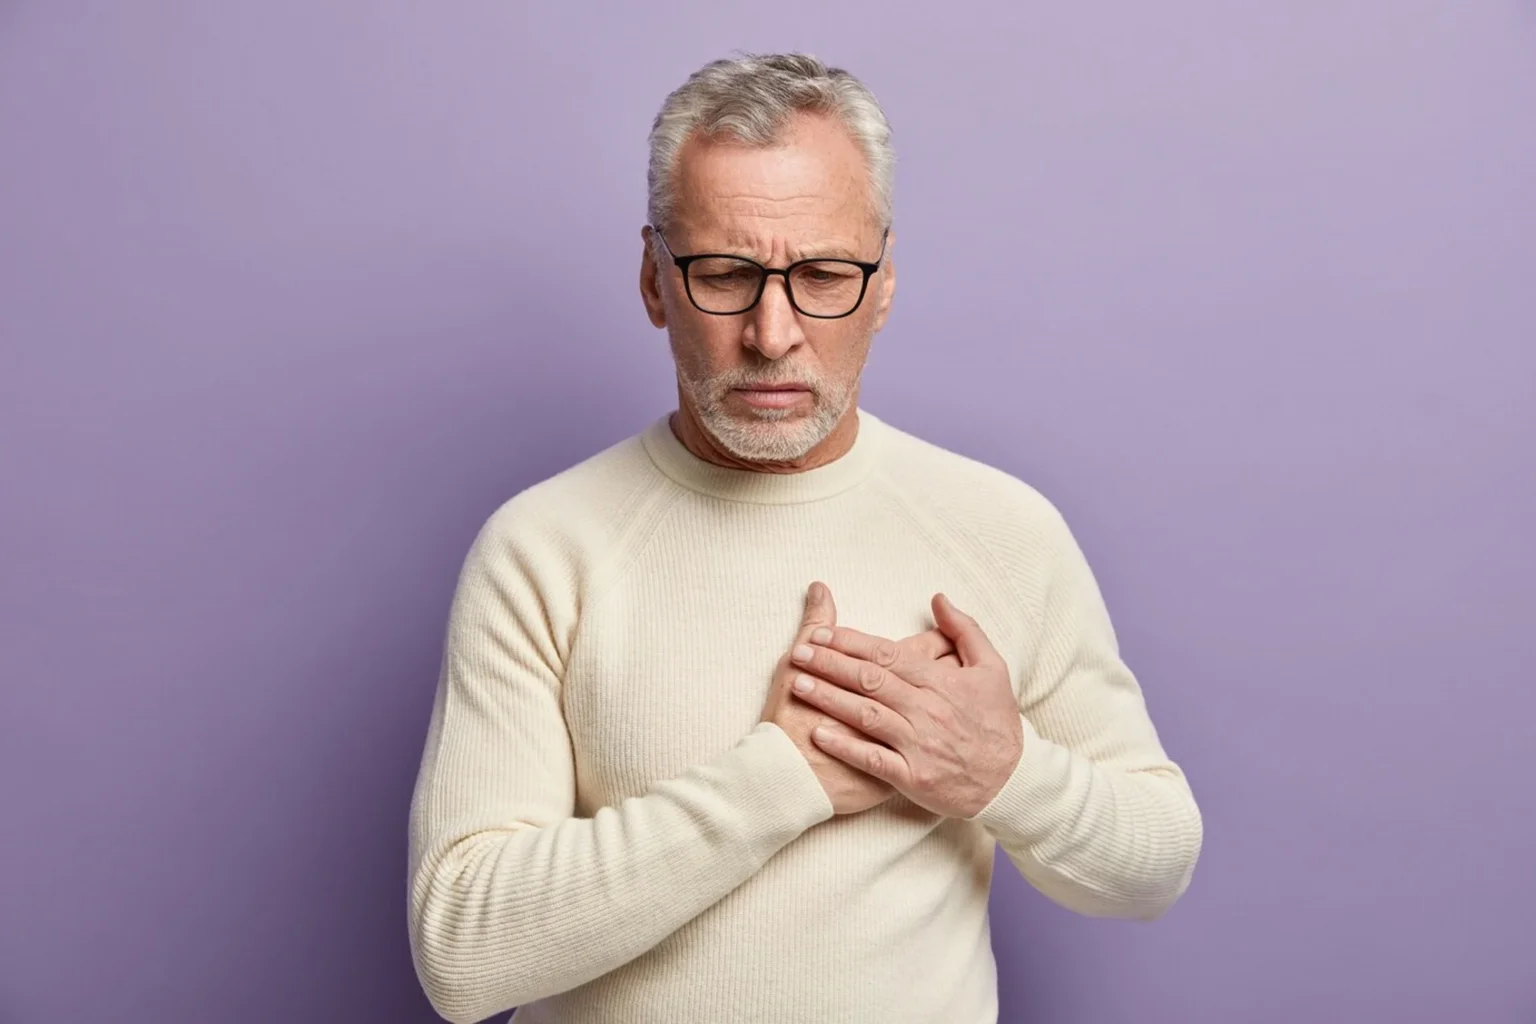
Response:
column 748, row 244
column 749, row 224
column 761, row 204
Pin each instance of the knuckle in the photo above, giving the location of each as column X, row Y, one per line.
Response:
column 870, row 676
column 870, row 717
column 885, row 654
column 875, row 761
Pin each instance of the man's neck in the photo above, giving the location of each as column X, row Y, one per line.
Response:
column 832, row 447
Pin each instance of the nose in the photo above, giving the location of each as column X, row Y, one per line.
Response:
column 772, row 327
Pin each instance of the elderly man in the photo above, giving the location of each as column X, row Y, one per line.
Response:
column 648, row 792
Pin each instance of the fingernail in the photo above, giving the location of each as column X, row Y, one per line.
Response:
column 803, row 684
column 821, row 636
column 802, row 653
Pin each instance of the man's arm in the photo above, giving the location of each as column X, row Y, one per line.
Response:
column 1063, row 768
column 512, row 898
column 1094, row 815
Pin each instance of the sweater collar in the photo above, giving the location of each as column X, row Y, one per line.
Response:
column 687, row 469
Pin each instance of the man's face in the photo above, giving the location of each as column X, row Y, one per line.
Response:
column 807, row 197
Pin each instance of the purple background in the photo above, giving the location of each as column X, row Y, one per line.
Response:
column 292, row 294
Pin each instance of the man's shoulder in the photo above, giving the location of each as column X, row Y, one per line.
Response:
column 593, row 502
column 965, row 490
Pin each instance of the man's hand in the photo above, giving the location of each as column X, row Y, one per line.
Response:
column 849, row 789
column 946, row 738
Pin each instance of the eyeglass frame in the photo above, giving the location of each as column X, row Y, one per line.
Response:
column 681, row 262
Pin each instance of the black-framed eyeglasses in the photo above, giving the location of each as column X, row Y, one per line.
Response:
column 722, row 284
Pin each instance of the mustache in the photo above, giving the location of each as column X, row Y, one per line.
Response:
column 767, row 378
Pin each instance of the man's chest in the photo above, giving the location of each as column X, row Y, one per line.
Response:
column 670, row 668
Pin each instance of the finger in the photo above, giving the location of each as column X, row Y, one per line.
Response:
column 864, row 646
column 970, row 642
column 820, row 611
column 856, row 674
column 929, row 645
column 869, row 717
column 871, row 758
column 896, row 658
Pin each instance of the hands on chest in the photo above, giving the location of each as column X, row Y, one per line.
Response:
column 931, row 716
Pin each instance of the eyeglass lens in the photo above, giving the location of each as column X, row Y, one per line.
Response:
column 821, row 288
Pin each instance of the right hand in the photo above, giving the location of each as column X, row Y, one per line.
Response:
column 849, row 789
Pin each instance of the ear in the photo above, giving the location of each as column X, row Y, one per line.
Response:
column 650, row 281
column 886, row 291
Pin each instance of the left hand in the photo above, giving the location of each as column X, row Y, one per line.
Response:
column 946, row 738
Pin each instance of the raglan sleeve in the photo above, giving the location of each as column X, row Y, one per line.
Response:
column 513, row 896
column 1095, row 815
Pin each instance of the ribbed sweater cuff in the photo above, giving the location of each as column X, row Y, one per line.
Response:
column 785, row 797
column 1030, row 804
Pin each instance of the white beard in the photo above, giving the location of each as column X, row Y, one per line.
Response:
column 765, row 435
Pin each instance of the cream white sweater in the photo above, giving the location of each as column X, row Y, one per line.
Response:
column 603, row 833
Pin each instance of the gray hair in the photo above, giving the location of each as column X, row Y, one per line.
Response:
column 750, row 99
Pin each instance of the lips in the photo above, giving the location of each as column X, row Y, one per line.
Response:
column 773, row 396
